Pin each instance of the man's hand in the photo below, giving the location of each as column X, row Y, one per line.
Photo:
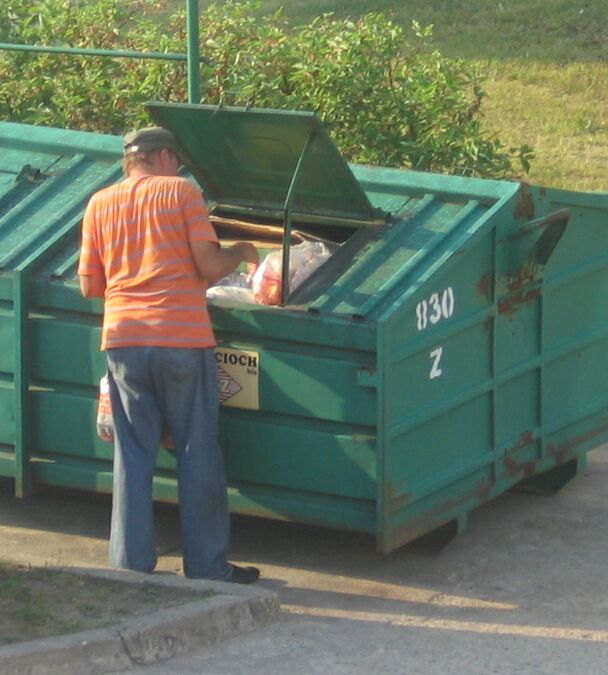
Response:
column 250, row 256
column 214, row 263
column 251, row 270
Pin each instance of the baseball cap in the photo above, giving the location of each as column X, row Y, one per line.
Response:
column 148, row 139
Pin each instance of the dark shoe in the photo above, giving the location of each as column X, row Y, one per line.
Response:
column 243, row 575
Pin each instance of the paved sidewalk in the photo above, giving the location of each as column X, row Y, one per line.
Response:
column 522, row 591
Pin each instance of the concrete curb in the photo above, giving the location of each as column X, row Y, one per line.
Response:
column 232, row 610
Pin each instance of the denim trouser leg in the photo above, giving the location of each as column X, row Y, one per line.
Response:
column 192, row 415
column 136, row 442
column 179, row 387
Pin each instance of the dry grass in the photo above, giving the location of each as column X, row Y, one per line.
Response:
column 40, row 602
column 558, row 111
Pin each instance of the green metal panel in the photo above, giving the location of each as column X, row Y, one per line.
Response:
column 65, row 348
column 297, row 453
column 7, row 463
column 246, row 158
column 7, row 337
column 432, row 232
column 291, row 505
column 21, row 343
column 46, row 177
column 321, row 386
column 7, row 418
column 52, row 436
column 232, row 320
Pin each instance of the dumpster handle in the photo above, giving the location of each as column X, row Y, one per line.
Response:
column 549, row 239
column 547, row 232
column 554, row 225
column 287, row 220
column 560, row 216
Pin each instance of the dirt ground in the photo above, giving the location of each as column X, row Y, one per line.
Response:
column 41, row 602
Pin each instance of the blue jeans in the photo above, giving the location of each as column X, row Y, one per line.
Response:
column 153, row 388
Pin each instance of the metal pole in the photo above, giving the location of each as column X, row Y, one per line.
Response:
column 287, row 220
column 82, row 51
column 194, row 85
column 23, row 467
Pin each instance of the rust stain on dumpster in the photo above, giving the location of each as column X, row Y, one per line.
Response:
column 483, row 285
column 512, row 466
column 413, row 529
column 577, row 440
column 510, row 304
column 396, row 497
column 526, row 275
column 524, row 207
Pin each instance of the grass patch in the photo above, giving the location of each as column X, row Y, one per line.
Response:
column 558, row 111
column 547, row 66
column 39, row 602
column 554, row 30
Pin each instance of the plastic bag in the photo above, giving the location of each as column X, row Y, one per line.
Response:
column 266, row 282
column 234, row 280
column 230, row 293
column 235, row 286
column 304, row 259
column 105, row 421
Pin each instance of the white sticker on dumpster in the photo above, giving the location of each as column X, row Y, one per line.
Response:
column 238, row 373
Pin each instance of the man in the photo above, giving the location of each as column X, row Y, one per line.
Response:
column 148, row 248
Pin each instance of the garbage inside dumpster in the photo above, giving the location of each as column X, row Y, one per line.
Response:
column 265, row 285
column 304, row 260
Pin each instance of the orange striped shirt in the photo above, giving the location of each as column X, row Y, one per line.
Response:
column 136, row 234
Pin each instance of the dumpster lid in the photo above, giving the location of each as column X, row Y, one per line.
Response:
column 245, row 159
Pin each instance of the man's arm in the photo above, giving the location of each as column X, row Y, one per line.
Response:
column 92, row 286
column 213, row 262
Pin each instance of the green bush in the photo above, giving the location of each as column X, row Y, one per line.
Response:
column 386, row 97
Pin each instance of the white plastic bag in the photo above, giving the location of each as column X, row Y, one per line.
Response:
column 304, row 259
column 105, row 422
column 230, row 293
column 236, row 286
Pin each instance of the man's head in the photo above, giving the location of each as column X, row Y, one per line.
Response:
column 150, row 150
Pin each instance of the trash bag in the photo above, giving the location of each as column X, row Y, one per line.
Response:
column 266, row 282
column 234, row 280
column 105, row 422
column 304, row 259
column 236, row 293
column 235, row 286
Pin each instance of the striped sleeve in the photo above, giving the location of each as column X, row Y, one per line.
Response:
column 90, row 262
column 196, row 215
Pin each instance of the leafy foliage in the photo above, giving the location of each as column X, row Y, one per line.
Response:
column 386, row 97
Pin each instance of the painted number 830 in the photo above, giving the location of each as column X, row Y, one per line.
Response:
column 437, row 307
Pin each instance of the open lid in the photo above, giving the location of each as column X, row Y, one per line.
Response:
column 245, row 159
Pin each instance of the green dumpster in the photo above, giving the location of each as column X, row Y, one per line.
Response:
column 447, row 351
